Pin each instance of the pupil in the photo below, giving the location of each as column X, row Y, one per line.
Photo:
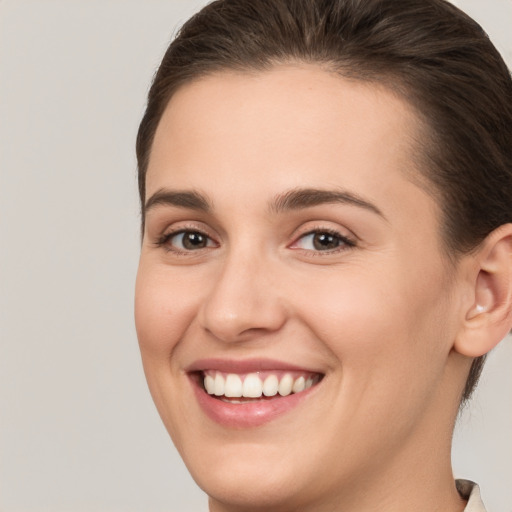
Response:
column 194, row 241
column 323, row 241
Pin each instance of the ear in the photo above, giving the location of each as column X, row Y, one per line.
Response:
column 489, row 316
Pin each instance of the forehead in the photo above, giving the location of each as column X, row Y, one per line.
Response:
column 291, row 126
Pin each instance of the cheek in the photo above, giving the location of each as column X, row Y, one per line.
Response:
column 382, row 326
column 386, row 339
column 162, row 310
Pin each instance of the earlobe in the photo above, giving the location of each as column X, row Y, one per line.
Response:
column 489, row 318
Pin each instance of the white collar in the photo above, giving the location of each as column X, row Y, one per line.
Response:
column 471, row 492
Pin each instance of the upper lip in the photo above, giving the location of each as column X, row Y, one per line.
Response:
column 245, row 365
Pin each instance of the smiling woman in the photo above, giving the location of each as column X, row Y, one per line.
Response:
column 327, row 253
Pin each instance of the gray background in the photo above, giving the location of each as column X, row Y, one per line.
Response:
column 78, row 431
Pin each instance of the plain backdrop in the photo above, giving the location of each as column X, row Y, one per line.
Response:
column 78, row 430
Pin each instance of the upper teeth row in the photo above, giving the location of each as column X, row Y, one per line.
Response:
column 252, row 386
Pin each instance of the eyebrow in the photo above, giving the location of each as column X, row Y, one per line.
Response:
column 297, row 199
column 191, row 200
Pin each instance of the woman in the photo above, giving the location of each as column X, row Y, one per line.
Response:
column 327, row 248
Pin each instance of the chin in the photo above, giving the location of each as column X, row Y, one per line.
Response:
column 251, row 487
column 258, row 475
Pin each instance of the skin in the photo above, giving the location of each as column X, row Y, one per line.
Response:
column 380, row 319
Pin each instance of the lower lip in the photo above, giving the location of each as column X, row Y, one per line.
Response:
column 248, row 414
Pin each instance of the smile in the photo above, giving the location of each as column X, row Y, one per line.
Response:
column 256, row 385
column 249, row 394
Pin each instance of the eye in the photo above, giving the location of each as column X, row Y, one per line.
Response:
column 187, row 240
column 322, row 241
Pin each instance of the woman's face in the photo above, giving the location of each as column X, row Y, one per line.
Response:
column 288, row 257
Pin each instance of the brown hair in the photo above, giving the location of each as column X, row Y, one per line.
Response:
column 428, row 51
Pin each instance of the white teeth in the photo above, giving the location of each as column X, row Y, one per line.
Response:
column 253, row 387
column 232, row 386
column 299, row 385
column 209, row 384
column 271, row 385
column 286, row 385
column 219, row 385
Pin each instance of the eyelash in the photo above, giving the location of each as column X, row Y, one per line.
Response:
column 345, row 243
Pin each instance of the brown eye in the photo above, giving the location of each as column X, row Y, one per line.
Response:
column 190, row 241
column 323, row 241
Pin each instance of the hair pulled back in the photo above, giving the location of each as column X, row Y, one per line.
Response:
column 428, row 51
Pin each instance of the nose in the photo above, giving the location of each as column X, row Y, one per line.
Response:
column 243, row 302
